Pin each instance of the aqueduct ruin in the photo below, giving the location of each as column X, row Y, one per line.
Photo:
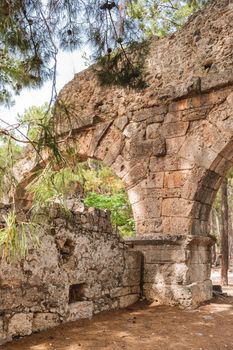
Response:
column 170, row 143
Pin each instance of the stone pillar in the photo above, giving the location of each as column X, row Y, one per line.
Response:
column 147, row 208
column 176, row 269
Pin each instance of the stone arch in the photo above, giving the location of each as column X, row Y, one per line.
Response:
column 170, row 143
column 210, row 147
column 120, row 144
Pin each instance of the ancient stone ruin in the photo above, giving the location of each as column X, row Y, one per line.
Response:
column 80, row 268
column 171, row 144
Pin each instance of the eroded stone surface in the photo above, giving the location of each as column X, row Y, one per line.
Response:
column 80, row 268
column 176, row 269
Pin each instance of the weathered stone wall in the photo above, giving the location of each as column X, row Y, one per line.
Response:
column 81, row 267
column 171, row 143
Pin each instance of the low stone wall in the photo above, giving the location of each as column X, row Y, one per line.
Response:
column 176, row 269
column 81, row 267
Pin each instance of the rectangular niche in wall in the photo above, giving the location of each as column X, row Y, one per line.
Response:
column 76, row 293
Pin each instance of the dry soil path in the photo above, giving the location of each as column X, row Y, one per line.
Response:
column 142, row 327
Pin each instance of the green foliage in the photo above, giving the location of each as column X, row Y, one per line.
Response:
column 51, row 185
column 96, row 177
column 161, row 17
column 35, row 120
column 9, row 152
column 31, row 32
column 93, row 183
column 104, row 190
column 124, row 68
column 118, row 204
column 12, row 73
column 15, row 237
column 39, row 132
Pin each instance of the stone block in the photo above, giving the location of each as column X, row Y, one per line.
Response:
column 163, row 294
column 173, row 145
column 200, row 227
column 152, row 131
column 153, row 114
column 121, row 122
column 176, row 273
column 149, row 226
column 173, row 117
column 217, row 80
column 154, row 180
column 175, row 226
column 113, row 152
column 42, row 321
column 198, row 272
column 2, row 332
column 175, row 178
column 111, row 136
column 131, row 277
column 201, row 292
column 185, row 296
column 163, row 254
column 128, row 300
column 169, row 163
column 196, row 113
column 20, row 324
column 192, row 85
column 123, row 291
column 98, row 133
column 155, row 147
column 135, row 174
column 79, row 310
column 165, row 273
column 133, row 260
column 199, row 255
column 131, row 130
column 220, row 165
column 227, row 151
column 150, row 207
column 195, row 149
column 174, row 129
column 177, row 207
column 135, row 194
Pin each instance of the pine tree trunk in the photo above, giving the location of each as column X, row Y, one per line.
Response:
column 217, row 224
column 230, row 234
column 212, row 231
column 224, row 233
column 218, row 234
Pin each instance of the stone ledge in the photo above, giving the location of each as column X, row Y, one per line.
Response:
column 198, row 85
column 169, row 240
column 217, row 81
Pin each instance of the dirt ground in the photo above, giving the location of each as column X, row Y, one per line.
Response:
column 143, row 327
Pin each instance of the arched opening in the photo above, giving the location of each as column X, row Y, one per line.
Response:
column 103, row 189
column 220, row 228
column 91, row 184
column 212, row 208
